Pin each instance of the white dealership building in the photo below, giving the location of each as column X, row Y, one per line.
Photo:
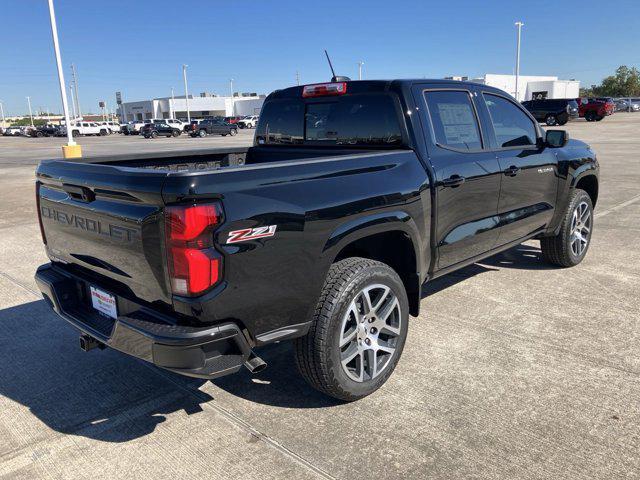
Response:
column 204, row 105
column 529, row 86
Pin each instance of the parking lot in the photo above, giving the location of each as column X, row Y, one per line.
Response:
column 514, row 369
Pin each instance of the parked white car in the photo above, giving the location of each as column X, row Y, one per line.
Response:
column 248, row 122
column 114, row 127
column 133, row 128
column 172, row 122
column 88, row 128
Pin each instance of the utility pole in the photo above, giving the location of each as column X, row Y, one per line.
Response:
column 297, row 77
column 70, row 150
column 360, row 63
column 171, row 112
column 2, row 112
column 75, row 84
column 30, row 114
column 519, row 24
column 186, row 92
column 231, row 85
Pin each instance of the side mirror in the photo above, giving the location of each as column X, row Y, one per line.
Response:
column 556, row 138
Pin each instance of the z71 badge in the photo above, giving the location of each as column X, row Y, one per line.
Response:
column 251, row 234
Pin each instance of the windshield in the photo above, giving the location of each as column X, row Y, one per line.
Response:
column 351, row 120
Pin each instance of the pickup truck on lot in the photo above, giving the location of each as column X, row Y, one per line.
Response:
column 88, row 128
column 594, row 110
column 352, row 196
column 212, row 127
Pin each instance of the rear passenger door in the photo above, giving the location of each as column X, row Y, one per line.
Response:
column 467, row 176
column 529, row 170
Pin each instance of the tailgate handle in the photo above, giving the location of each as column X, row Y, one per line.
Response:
column 77, row 192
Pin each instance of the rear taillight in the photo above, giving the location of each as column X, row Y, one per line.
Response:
column 194, row 264
column 324, row 89
column 44, row 237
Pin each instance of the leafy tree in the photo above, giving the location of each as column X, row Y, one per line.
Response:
column 23, row 122
column 624, row 83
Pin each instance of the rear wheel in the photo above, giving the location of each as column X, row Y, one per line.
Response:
column 103, row 133
column 154, row 134
column 570, row 246
column 233, row 131
column 202, row 134
column 75, row 133
column 589, row 116
column 175, row 133
column 551, row 120
column 358, row 331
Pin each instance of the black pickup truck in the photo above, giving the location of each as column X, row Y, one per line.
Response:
column 352, row 196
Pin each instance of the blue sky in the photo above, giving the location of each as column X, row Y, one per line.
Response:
column 138, row 46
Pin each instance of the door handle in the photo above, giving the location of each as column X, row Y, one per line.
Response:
column 512, row 171
column 453, row 181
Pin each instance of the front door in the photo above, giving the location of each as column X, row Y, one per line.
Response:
column 529, row 170
column 467, row 175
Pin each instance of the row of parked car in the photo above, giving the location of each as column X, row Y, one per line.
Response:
column 153, row 127
column 559, row 111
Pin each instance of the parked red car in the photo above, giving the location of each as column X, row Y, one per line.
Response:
column 593, row 109
column 232, row 119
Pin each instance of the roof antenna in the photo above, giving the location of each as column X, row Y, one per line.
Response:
column 335, row 77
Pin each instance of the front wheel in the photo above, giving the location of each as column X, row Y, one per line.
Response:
column 570, row 245
column 202, row 134
column 233, row 132
column 175, row 133
column 551, row 120
column 358, row 330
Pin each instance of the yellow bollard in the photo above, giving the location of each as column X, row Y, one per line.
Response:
column 71, row 151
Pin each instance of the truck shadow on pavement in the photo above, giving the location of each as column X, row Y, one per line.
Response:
column 103, row 395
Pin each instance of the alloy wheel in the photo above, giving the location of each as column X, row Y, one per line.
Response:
column 370, row 332
column 580, row 228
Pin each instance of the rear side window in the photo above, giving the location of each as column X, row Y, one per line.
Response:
column 351, row 120
column 454, row 119
column 511, row 126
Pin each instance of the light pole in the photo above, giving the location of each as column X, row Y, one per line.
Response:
column 360, row 63
column 30, row 114
column 73, row 104
column 186, row 92
column 298, row 77
column 231, row 86
column 519, row 24
column 171, row 104
column 75, row 84
column 2, row 112
column 70, row 150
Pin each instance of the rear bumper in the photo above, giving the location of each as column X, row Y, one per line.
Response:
column 203, row 352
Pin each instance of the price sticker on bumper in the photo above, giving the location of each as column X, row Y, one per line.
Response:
column 104, row 302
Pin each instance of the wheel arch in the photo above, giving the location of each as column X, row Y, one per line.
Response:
column 589, row 183
column 390, row 238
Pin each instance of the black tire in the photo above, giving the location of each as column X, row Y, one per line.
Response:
column 551, row 120
column 103, row 133
column 175, row 133
column 147, row 136
column 597, row 118
column 202, row 133
column 562, row 122
column 75, row 133
column 154, row 134
column 589, row 116
column 558, row 249
column 318, row 354
column 233, row 131
column 39, row 134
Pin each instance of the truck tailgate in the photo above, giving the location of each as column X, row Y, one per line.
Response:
column 106, row 220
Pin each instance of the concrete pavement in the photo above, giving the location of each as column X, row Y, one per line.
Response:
column 514, row 369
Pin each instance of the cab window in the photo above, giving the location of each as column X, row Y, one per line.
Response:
column 512, row 127
column 454, row 120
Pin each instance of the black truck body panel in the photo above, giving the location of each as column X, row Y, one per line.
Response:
column 421, row 207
